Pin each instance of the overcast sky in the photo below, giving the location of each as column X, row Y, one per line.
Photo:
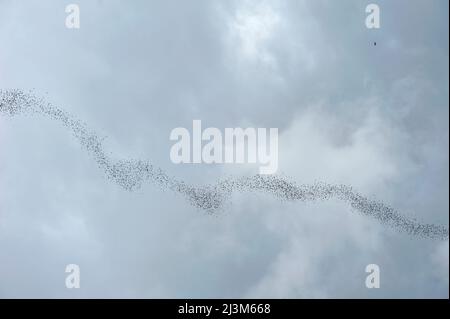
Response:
column 348, row 111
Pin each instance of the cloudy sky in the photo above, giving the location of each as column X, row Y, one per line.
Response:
column 348, row 111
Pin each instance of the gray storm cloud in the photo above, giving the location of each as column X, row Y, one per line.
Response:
column 348, row 113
